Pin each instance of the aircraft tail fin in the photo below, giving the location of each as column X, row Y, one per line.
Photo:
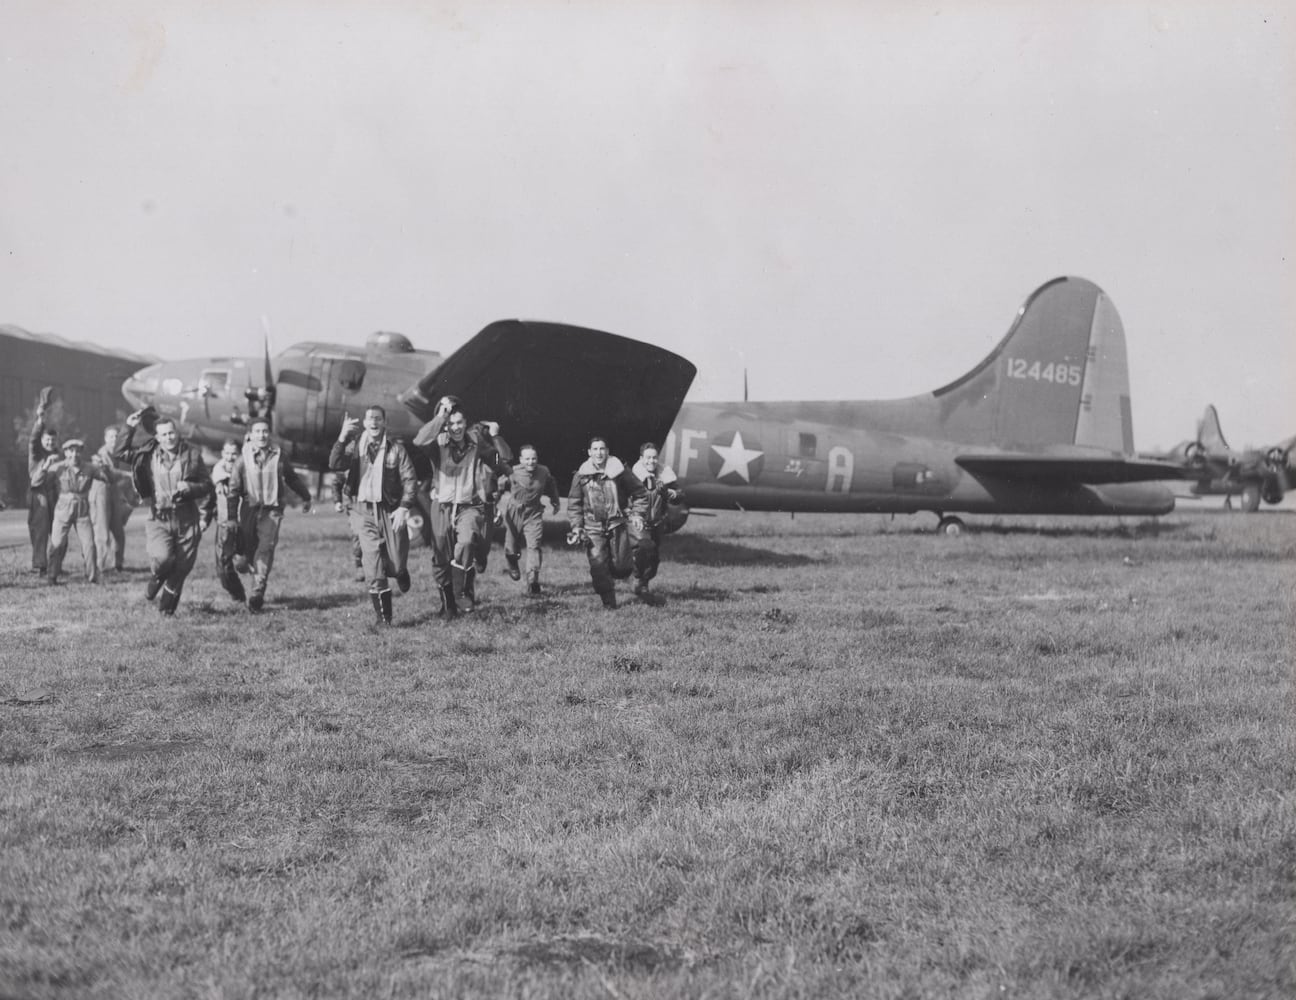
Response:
column 1209, row 434
column 1059, row 376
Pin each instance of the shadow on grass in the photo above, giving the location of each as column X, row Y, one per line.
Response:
column 697, row 550
column 705, row 594
column 1143, row 529
column 321, row 602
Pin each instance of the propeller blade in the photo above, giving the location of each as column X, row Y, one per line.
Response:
column 269, row 375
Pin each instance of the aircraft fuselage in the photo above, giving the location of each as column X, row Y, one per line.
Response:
column 785, row 456
column 317, row 385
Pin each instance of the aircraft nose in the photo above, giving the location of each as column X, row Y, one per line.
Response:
column 141, row 387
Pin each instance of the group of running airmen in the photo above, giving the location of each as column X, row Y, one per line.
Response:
column 619, row 515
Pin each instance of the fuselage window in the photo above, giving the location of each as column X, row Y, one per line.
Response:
column 215, row 382
column 809, row 442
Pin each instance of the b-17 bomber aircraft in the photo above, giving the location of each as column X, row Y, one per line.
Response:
column 547, row 384
column 1215, row 469
column 1041, row 426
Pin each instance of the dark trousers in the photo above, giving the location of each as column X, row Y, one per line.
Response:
column 647, row 552
column 457, row 536
column 227, row 549
column 171, row 539
column 610, row 554
column 40, row 519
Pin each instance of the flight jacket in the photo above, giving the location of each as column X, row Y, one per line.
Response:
column 198, row 484
column 606, row 496
column 399, row 483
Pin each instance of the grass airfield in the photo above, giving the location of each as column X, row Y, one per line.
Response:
column 837, row 757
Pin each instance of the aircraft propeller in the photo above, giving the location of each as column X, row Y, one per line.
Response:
column 1278, row 460
column 261, row 399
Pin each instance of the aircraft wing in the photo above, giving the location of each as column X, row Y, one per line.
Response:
column 1071, row 469
column 554, row 386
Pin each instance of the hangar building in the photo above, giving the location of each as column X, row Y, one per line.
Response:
column 87, row 380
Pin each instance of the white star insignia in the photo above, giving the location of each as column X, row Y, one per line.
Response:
column 737, row 458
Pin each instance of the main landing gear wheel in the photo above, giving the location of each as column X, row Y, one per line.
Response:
column 1251, row 497
column 949, row 526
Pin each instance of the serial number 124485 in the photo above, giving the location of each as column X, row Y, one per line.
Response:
column 1055, row 372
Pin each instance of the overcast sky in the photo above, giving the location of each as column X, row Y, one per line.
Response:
column 851, row 199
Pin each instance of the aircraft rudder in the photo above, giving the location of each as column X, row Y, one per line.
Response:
column 1030, row 389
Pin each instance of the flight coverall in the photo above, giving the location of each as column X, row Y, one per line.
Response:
column 228, row 543
column 599, row 508
column 40, row 499
column 264, row 479
column 178, row 491
column 524, row 518
column 662, row 491
column 379, row 478
column 464, row 479
column 71, row 512
column 111, row 503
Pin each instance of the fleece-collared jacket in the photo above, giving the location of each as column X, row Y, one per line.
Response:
column 661, row 490
column 399, row 483
column 193, row 471
column 603, row 497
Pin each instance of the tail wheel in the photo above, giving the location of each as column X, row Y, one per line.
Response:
column 950, row 526
column 1251, row 497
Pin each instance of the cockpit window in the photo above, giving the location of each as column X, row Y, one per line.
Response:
column 214, row 383
column 808, row 445
column 351, row 375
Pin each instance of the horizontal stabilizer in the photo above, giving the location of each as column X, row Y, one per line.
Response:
column 1069, row 469
column 554, row 386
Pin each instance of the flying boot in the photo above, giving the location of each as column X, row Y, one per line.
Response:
column 233, row 585
column 462, row 582
column 449, row 609
column 382, row 605
column 158, row 578
column 514, row 570
column 168, row 601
